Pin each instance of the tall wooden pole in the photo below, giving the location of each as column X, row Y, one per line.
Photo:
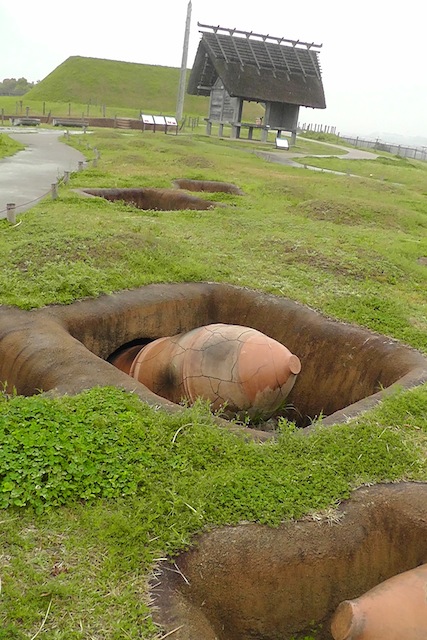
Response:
column 183, row 76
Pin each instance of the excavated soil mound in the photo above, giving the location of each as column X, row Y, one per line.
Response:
column 252, row 581
column 211, row 186
column 345, row 369
column 153, row 199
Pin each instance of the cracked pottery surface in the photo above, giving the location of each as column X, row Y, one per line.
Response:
column 236, row 368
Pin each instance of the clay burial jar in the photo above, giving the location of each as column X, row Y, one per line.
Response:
column 393, row 610
column 237, row 369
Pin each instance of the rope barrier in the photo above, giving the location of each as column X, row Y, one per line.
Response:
column 61, row 180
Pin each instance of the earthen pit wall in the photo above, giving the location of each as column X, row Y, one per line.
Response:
column 254, row 581
column 344, row 367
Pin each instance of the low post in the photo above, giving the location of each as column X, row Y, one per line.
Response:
column 95, row 162
column 66, row 177
column 80, row 166
column 235, row 131
column 11, row 215
column 54, row 190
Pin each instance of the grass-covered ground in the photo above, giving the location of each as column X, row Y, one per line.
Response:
column 8, row 147
column 95, row 488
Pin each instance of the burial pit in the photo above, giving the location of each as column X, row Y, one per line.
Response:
column 253, row 581
column 65, row 349
column 153, row 199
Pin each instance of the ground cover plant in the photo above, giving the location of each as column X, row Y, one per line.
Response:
column 95, row 489
column 8, row 146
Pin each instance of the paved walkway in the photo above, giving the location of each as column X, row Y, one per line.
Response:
column 27, row 176
column 291, row 158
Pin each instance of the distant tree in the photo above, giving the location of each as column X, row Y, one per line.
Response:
column 13, row 87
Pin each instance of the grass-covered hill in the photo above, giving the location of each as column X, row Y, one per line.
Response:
column 121, row 84
column 124, row 87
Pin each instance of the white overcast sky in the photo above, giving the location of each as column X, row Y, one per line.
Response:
column 373, row 56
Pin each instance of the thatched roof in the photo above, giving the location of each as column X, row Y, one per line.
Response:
column 253, row 67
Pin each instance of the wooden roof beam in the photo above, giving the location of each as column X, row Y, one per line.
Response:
column 242, row 64
column 300, row 63
column 220, row 47
column 248, row 34
column 285, row 61
column 253, row 53
column 270, row 58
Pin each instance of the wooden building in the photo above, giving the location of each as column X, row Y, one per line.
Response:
column 233, row 66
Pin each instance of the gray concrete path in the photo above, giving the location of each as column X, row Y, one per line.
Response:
column 291, row 158
column 27, row 176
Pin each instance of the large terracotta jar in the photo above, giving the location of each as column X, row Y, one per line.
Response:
column 393, row 610
column 237, row 369
column 124, row 358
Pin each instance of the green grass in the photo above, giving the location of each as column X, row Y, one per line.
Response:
column 95, row 488
column 91, row 556
column 8, row 146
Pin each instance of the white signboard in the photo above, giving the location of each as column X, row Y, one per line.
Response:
column 171, row 122
column 147, row 119
column 159, row 119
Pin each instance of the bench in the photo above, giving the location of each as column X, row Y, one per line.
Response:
column 236, row 128
column 69, row 122
column 24, row 121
